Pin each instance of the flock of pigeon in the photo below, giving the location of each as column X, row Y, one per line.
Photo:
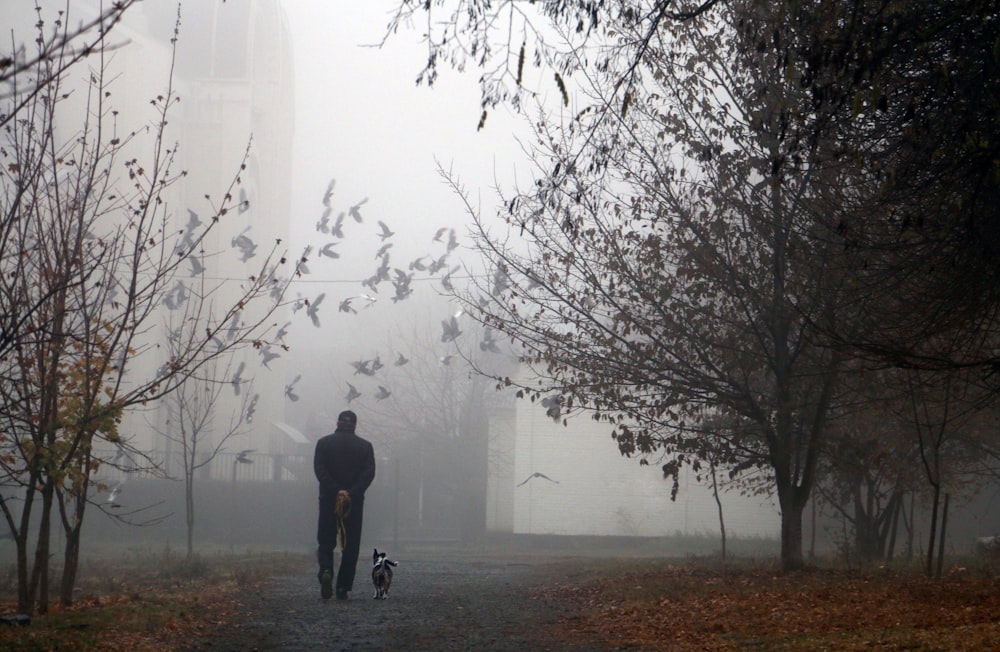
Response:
column 400, row 280
column 385, row 275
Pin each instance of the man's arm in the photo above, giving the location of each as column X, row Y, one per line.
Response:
column 327, row 483
column 366, row 475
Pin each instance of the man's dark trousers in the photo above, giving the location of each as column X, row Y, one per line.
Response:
column 327, row 539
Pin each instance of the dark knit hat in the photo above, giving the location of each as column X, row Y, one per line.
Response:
column 347, row 420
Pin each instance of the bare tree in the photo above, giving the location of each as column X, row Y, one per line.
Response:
column 25, row 73
column 437, row 414
column 947, row 416
column 898, row 90
column 193, row 418
column 91, row 251
column 871, row 464
column 675, row 264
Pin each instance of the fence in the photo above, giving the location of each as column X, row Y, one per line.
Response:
column 224, row 466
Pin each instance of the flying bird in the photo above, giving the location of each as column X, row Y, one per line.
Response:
column 176, row 297
column 401, row 360
column 113, row 496
column 329, row 192
column 352, row 392
column 312, row 309
column 290, row 387
column 383, row 249
column 196, row 267
column 244, row 204
column 277, row 289
column 234, row 326
column 440, row 234
column 402, row 285
column 193, row 221
column 112, row 294
column 382, row 393
column 238, row 378
column 384, row 231
column 267, row 355
column 323, row 225
column 328, row 251
column 537, row 475
column 377, row 363
column 252, row 408
column 283, row 331
column 382, row 273
column 245, row 245
column 446, row 360
column 337, row 230
column 355, row 212
column 450, row 330
column 500, row 282
column 553, row 406
column 361, row 367
column 345, row 306
column 300, row 267
column 489, row 343
column 452, row 241
column 439, row 264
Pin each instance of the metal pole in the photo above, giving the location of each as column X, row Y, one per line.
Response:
column 395, row 508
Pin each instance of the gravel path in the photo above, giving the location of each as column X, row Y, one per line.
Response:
column 459, row 603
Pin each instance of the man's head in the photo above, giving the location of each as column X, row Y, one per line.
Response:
column 347, row 420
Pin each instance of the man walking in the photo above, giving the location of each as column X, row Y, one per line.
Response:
column 345, row 467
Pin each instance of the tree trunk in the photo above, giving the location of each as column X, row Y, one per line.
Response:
column 40, row 572
column 189, row 512
column 910, row 529
column 24, row 594
column 930, row 542
column 791, row 528
column 944, row 529
column 71, row 562
column 72, row 523
column 718, row 504
column 812, row 530
column 865, row 529
column 893, row 528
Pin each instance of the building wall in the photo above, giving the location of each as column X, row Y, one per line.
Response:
column 595, row 491
column 234, row 76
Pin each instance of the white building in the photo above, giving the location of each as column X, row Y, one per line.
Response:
column 591, row 489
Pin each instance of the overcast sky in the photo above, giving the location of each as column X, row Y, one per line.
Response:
column 361, row 119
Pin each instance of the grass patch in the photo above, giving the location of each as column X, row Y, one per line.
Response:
column 140, row 601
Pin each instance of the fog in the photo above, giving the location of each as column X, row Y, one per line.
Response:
column 457, row 460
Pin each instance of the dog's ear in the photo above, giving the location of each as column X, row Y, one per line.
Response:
column 375, row 554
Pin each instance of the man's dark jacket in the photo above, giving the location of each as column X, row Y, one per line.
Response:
column 344, row 461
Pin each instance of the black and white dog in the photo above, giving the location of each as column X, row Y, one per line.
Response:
column 381, row 574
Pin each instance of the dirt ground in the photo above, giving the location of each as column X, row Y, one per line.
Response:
column 452, row 602
column 519, row 598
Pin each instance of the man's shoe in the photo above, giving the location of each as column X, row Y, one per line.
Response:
column 341, row 594
column 326, row 584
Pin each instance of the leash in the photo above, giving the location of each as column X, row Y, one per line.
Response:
column 343, row 510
